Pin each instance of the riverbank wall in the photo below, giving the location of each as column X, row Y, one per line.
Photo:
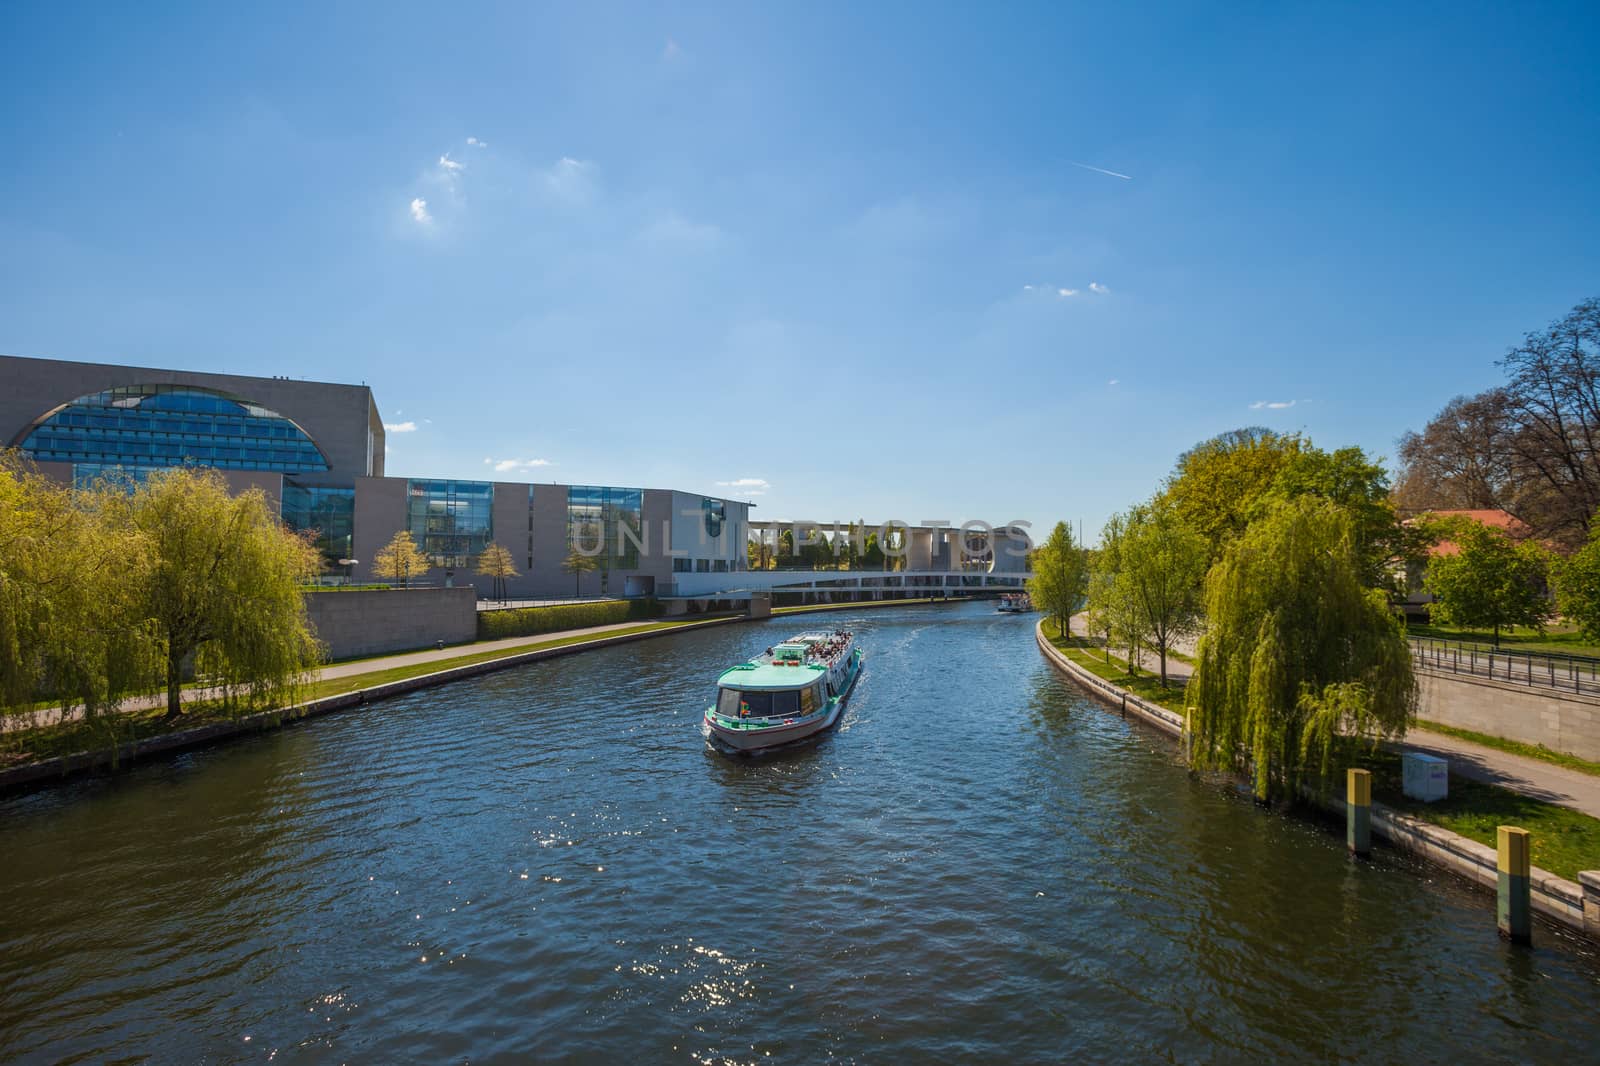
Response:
column 52, row 771
column 356, row 623
column 1544, row 717
column 1556, row 898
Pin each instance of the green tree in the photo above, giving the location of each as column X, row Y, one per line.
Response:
column 69, row 628
column 873, row 558
column 222, row 586
column 1578, row 585
column 1359, row 484
column 1490, row 581
column 1060, row 577
column 1297, row 652
column 1112, row 608
column 400, row 560
column 495, row 563
column 1217, row 483
column 1162, row 562
column 577, row 564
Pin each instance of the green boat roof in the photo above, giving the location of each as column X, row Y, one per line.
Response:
column 763, row 676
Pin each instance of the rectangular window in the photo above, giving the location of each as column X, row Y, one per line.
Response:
column 607, row 523
column 755, row 704
column 452, row 521
column 786, row 703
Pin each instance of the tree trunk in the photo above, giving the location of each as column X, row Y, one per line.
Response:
column 1497, row 634
column 1163, row 665
column 1061, row 627
column 174, row 683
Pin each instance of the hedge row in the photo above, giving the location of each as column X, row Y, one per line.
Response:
column 531, row 621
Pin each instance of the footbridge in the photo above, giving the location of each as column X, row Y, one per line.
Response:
column 827, row 586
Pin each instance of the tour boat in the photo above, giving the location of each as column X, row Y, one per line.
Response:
column 1015, row 603
column 796, row 689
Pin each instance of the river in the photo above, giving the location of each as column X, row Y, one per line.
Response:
column 550, row 864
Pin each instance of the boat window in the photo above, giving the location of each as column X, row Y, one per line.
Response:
column 786, row 702
column 728, row 702
column 755, row 704
column 808, row 699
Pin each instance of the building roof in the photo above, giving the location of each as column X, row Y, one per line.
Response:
column 1494, row 518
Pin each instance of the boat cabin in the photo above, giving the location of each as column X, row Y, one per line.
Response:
column 769, row 703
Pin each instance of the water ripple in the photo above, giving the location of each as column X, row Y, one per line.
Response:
column 550, row 863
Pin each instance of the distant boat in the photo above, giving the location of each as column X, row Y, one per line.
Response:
column 1015, row 603
column 796, row 689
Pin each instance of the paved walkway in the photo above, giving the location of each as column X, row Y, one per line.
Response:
column 1533, row 778
column 1530, row 777
column 47, row 716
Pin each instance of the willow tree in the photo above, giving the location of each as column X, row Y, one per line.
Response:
column 68, row 628
column 222, row 587
column 1060, row 577
column 495, row 563
column 400, row 560
column 1297, row 653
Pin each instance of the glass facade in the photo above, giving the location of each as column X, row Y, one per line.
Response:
column 715, row 513
column 170, row 425
column 327, row 512
column 597, row 518
column 451, row 521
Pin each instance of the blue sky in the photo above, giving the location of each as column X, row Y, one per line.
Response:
column 842, row 260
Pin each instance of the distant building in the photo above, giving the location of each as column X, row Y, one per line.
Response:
column 1417, row 600
column 317, row 450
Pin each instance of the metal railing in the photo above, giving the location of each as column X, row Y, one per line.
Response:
column 1565, row 673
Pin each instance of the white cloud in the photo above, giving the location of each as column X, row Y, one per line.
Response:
column 570, row 179
column 1114, row 381
column 450, row 166
column 477, row 143
column 1095, row 286
column 1027, row 288
column 400, row 427
column 507, row 466
column 1066, row 292
column 750, row 486
column 419, row 211
column 1273, row 405
column 673, row 228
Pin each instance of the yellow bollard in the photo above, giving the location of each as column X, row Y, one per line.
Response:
column 1358, row 811
column 1515, row 908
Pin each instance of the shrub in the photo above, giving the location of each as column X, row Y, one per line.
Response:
column 531, row 621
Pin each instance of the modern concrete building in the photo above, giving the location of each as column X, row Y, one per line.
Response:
column 317, row 450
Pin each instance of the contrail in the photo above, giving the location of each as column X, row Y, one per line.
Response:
column 1097, row 170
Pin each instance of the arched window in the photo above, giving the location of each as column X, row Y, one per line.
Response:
column 135, row 426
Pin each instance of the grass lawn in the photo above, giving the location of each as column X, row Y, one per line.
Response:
column 108, row 730
column 1515, row 747
column 1141, row 683
column 1563, row 840
column 1557, row 640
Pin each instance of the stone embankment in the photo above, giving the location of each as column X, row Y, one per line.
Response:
column 1574, row 906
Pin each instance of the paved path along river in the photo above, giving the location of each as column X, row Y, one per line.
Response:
column 1475, row 762
column 549, row 864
